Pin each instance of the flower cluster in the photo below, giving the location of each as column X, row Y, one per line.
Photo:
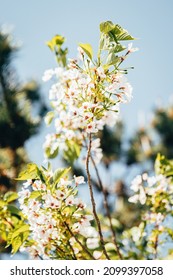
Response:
column 56, row 218
column 85, row 97
column 156, row 193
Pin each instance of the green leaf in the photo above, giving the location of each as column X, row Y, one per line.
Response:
column 49, row 117
column 106, row 26
column 50, row 45
column 50, row 154
column 59, row 173
column 115, row 32
column 24, row 235
column 20, row 230
column 169, row 231
column 118, row 48
column 31, row 172
column 163, row 166
column 16, row 243
column 121, row 34
column 34, row 194
column 73, row 151
column 87, row 48
column 10, row 196
column 13, row 210
column 106, row 42
column 2, row 203
column 112, row 59
column 57, row 40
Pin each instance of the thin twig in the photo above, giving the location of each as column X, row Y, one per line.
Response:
column 105, row 202
column 93, row 200
column 73, row 252
column 78, row 241
column 156, row 246
column 156, row 243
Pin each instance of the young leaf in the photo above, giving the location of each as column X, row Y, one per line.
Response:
column 118, row 48
column 16, row 243
column 121, row 34
column 50, row 154
column 49, row 117
column 73, row 151
column 106, row 26
column 13, row 210
column 31, row 172
column 20, row 230
column 112, row 59
column 87, row 48
column 10, row 196
column 50, row 45
column 59, row 173
column 34, row 194
column 2, row 203
column 163, row 166
column 57, row 40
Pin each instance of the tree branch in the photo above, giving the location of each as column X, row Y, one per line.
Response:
column 93, row 200
column 107, row 209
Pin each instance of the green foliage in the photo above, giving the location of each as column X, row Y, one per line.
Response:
column 13, row 210
column 15, row 226
column 56, row 41
column 73, row 151
column 156, row 137
column 31, row 172
column 51, row 154
column 55, row 44
column 110, row 37
column 11, row 222
column 59, row 173
column 164, row 166
column 113, row 151
column 49, row 117
column 163, row 125
column 17, row 123
column 18, row 236
column 112, row 59
column 10, row 196
column 115, row 31
column 141, row 147
column 87, row 48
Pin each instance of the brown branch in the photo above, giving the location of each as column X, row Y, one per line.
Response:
column 105, row 202
column 93, row 200
column 156, row 243
column 71, row 247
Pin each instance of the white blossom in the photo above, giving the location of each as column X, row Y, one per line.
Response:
column 131, row 49
column 92, row 243
column 79, row 180
column 48, row 75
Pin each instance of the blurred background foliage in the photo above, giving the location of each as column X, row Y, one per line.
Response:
column 21, row 109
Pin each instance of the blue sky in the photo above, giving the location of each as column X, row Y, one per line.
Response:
column 35, row 22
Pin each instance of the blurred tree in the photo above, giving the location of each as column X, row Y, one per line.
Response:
column 141, row 147
column 21, row 109
column 163, row 125
column 156, row 137
column 111, row 143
